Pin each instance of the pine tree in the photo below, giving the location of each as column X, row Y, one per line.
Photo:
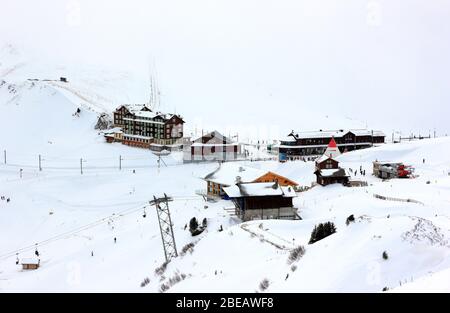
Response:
column 321, row 231
column 313, row 235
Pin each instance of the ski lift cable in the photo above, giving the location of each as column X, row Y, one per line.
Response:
column 85, row 227
column 73, row 231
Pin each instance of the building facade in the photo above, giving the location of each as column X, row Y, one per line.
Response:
column 228, row 174
column 327, row 168
column 257, row 201
column 141, row 127
column 211, row 147
column 312, row 144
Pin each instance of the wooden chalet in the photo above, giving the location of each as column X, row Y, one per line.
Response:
column 311, row 144
column 327, row 168
column 30, row 263
column 211, row 147
column 228, row 174
column 254, row 201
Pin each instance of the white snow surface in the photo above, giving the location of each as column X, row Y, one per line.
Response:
column 73, row 218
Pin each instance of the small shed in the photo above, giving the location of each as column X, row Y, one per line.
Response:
column 30, row 263
column 332, row 176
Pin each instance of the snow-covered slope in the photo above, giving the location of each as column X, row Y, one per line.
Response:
column 99, row 87
column 73, row 218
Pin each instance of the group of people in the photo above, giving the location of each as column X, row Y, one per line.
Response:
column 355, row 172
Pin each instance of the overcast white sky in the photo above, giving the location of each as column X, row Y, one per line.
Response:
column 262, row 62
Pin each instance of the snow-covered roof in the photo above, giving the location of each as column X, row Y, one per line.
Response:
column 137, row 136
column 146, row 114
column 134, row 108
column 288, row 139
column 33, row 261
column 112, row 131
column 333, row 172
column 227, row 172
column 259, row 190
column 322, row 158
column 213, row 136
column 199, row 144
column 337, row 133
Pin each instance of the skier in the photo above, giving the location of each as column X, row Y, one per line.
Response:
column 7, row 200
column 36, row 252
column 423, row 161
column 17, row 258
column 115, row 240
column 92, row 253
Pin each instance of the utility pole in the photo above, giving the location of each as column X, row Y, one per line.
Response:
column 4, row 153
column 81, row 166
column 40, row 163
column 165, row 226
column 120, row 162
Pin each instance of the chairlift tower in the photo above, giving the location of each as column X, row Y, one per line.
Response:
column 165, row 226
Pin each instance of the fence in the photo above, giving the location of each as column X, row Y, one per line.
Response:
column 396, row 199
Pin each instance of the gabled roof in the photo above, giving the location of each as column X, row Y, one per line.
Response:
column 213, row 136
column 322, row 159
column 293, row 183
column 332, row 143
column 168, row 116
column 339, row 172
column 332, row 150
column 227, row 172
column 259, row 190
column 133, row 108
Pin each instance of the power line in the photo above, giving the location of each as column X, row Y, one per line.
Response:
column 86, row 227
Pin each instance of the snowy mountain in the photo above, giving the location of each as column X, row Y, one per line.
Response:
column 73, row 217
column 72, row 209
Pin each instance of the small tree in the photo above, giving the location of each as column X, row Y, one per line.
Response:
column 321, row 231
column 296, row 254
column 264, row 284
column 350, row 219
